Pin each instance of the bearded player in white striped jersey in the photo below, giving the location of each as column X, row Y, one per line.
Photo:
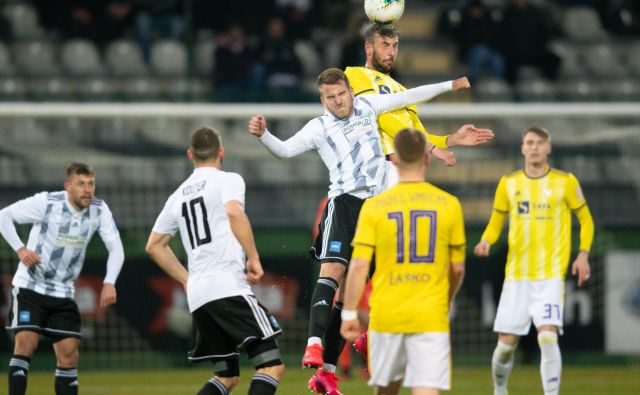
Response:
column 43, row 287
column 208, row 210
column 347, row 139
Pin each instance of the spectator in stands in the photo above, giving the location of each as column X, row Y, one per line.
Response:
column 281, row 67
column 477, row 39
column 621, row 16
column 236, row 76
column 524, row 36
column 296, row 17
column 116, row 18
column 158, row 19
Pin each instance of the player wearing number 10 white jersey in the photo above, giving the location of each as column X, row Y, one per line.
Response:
column 208, row 210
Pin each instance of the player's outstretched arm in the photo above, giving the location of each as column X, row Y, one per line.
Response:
column 257, row 125
column 460, row 83
column 469, row 135
column 241, row 228
column 159, row 250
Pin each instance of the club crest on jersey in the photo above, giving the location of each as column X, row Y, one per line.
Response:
column 335, row 246
column 523, row 207
column 24, row 316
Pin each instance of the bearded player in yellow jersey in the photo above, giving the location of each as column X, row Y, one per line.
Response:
column 416, row 231
column 381, row 48
column 539, row 201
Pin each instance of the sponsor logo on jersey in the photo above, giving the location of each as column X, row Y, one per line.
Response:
column 24, row 316
column 406, row 278
column 357, row 128
column 523, row 207
column 384, row 90
column 72, row 241
column 335, row 246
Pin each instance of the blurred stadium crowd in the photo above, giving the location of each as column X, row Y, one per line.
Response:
column 271, row 50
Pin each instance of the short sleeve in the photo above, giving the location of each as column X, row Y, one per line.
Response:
column 166, row 223
column 361, row 83
column 501, row 201
column 366, row 229
column 573, row 193
column 108, row 229
column 29, row 210
column 233, row 188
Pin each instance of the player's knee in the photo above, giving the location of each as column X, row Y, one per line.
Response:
column 335, row 270
column 67, row 358
column 505, row 351
column 229, row 382
column 26, row 343
column 276, row 371
column 547, row 337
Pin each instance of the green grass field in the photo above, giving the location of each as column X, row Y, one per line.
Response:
column 609, row 380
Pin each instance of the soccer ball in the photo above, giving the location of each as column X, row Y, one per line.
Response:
column 384, row 11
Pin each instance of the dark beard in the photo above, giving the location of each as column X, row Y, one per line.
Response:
column 379, row 66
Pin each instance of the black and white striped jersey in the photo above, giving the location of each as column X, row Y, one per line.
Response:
column 350, row 147
column 60, row 235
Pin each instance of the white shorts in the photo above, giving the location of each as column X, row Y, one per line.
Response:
column 422, row 359
column 524, row 301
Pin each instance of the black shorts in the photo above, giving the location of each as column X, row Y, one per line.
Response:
column 56, row 318
column 336, row 229
column 228, row 326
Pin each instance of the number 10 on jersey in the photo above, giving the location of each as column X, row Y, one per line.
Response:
column 414, row 215
column 193, row 227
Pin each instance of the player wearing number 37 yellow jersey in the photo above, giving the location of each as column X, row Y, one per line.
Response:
column 417, row 234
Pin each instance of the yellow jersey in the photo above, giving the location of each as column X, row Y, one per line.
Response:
column 363, row 81
column 539, row 211
column 416, row 231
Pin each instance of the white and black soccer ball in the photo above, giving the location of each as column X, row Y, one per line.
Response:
column 384, row 11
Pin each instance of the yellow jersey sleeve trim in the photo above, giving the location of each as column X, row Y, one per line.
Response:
column 366, row 90
column 579, row 208
column 458, row 245
column 355, row 243
column 362, row 252
column 501, row 211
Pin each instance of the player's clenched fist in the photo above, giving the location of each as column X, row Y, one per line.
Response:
column 461, row 83
column 257, row 125
column 482, row 248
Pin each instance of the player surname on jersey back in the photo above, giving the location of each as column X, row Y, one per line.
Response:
column 193, row 188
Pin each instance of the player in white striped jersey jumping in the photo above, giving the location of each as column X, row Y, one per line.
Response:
column 208, row 210
column 346, row 137
column 43, row 286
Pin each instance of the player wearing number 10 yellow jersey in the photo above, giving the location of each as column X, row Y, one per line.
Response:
column 417, row 234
